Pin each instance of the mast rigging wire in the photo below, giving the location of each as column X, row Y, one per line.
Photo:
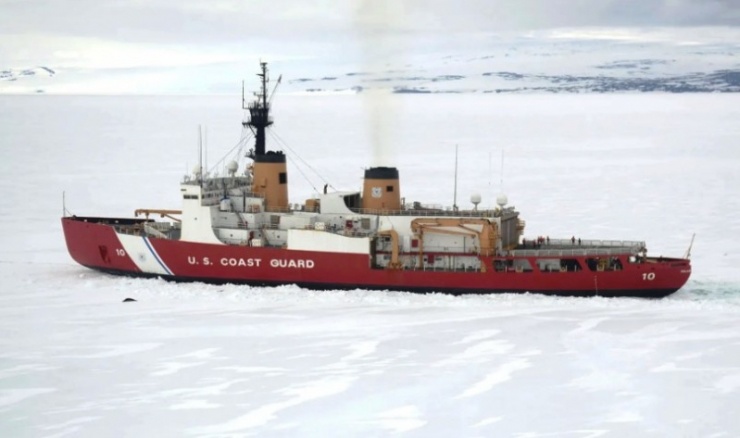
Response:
column 240, row 144
column 296, row 166
column 305, row 163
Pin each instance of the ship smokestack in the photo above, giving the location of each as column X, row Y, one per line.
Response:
column 381, row 190
column 270, row 179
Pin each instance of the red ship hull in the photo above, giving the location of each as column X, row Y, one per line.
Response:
column 94, row 243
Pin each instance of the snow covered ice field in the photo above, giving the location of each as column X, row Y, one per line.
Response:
column 230, row 361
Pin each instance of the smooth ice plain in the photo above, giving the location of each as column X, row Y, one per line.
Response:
column 231, row 361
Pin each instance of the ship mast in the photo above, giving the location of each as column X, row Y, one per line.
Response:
column 270, row 176
column 259, row 113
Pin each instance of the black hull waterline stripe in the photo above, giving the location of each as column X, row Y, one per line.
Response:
column 633, row 293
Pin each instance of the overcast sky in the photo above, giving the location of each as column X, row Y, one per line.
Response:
column 156, row 34
column 234, row 20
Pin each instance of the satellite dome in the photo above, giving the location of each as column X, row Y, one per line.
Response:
column 232, row 167
column 475, row 198
column 197, row 170
column 502, row 200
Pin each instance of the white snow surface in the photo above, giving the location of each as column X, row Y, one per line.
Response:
column 195, row 360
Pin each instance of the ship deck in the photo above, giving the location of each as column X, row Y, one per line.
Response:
column 575, row 247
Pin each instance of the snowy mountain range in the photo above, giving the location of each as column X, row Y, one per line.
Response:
column 552, row 68
column 521, row 66
column 725, row 80
column 12, row 75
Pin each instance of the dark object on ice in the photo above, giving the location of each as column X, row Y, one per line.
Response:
column 128, row 300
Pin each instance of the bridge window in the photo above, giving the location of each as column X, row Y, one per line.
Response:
column 512, row 265
column 502, row 265
column 352, row 201
column 569, row 265
column 548, row 265
column 604, row 264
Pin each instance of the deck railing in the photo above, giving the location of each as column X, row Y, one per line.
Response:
column 572, row 242
column 580, row 251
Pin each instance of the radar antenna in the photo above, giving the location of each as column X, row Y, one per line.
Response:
column 280, row 78
column 688, row 251
column 454, row 198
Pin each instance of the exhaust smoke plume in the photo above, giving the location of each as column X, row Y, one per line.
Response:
column 378, row 24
